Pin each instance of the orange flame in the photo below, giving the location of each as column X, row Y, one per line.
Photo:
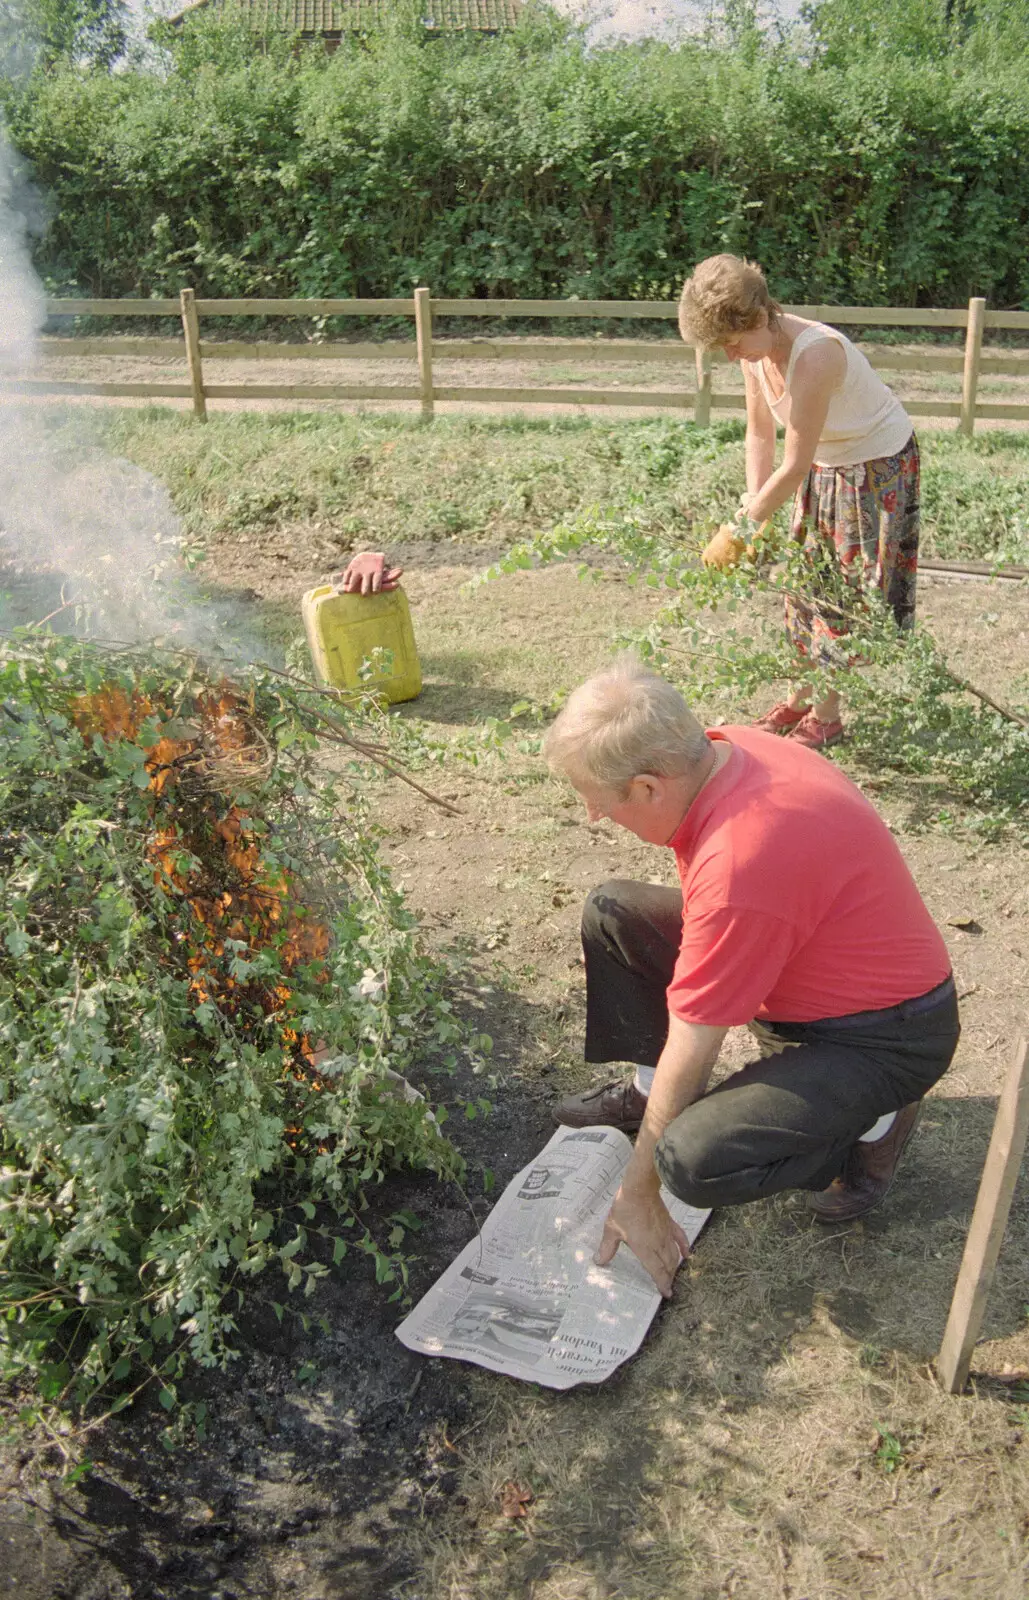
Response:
column 207, row 855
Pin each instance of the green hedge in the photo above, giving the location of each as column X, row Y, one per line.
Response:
column 529, row 165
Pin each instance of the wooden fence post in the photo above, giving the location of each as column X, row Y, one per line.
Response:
column 191, row 331
column 989, row 1219
column 423, row 334
column 702, row 404
column 970, row 379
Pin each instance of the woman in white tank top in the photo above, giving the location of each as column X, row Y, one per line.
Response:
column 850, row 463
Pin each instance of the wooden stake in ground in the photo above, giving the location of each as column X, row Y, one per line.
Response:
column 702, row 403
column 973, row 358
column 191, row 331
column 423, row 336
column 989, row 1219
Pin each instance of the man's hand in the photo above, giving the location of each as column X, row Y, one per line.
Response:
column 642, row 1221
column 368, row 574
column 638, row 1217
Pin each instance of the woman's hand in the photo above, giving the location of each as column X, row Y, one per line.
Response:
column 642, row 1221
column 725, row 550
column 732, row 542
column 367, row 573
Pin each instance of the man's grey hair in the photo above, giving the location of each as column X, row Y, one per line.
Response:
column 622, row 723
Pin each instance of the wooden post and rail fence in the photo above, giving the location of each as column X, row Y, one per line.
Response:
column 699, row 397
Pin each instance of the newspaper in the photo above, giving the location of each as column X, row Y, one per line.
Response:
column 526, row 1297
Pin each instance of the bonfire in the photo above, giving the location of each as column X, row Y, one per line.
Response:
column 192, row 914
column 206, row 846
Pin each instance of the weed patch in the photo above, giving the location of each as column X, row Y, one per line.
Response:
column 377, row 480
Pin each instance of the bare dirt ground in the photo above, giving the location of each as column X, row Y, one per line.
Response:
column 741, row 1454
column 781, row 1434
column 539, row 368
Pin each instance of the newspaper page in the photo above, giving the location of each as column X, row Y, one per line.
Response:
column 526, row 1297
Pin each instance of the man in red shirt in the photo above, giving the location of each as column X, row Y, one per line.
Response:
column 797, row 915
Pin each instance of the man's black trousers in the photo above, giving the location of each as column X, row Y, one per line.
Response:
column 786, row 1121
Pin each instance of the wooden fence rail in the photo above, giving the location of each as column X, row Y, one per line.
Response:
column 425, row 349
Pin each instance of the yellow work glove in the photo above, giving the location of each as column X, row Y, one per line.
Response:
column 725, row 550
column 728, row 547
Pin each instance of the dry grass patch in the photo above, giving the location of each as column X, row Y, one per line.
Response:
column 781, row 1435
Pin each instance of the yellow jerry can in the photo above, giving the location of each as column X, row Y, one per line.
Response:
column 344, row 630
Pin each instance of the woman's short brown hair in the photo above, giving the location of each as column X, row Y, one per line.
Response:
column 724, row 296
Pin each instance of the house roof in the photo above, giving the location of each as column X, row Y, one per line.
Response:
column 358, row 16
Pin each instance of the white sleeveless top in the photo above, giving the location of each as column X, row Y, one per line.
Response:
column 865, row 420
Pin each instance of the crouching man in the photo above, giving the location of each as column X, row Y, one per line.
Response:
column 797, row 915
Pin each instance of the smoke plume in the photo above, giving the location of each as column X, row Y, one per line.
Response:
column 87, row 541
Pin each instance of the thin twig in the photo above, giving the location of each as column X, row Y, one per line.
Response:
column 330, row 691
column 404, row 1398
column 66, row 605
column 818, row 604
column 364, row 745
column 473, row 1427
column 337, row 736
column 980, row 694
column 41, row 710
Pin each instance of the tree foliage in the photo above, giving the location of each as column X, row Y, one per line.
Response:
column 968, row 33
column 531, row 165
column 64, row 33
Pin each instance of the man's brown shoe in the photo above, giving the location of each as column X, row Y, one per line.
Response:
column 868, row 1173
column 613, row 1105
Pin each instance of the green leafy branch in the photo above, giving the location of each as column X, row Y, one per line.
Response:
column 910, row 715
column 165, row 1138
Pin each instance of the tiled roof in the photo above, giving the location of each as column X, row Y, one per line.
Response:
column 345, row 16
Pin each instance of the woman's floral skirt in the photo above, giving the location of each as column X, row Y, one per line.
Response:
column 859, row 528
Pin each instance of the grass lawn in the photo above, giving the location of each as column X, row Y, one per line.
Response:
column 362, row 480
